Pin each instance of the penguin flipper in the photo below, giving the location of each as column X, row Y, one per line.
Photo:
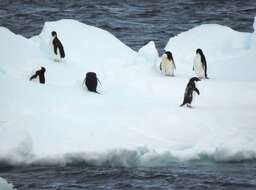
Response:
column 197, row 91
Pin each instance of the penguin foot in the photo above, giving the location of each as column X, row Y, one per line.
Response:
column 189, row 106
column 56, row 60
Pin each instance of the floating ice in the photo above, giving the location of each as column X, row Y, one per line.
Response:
column 4, row 185
column 137, row 117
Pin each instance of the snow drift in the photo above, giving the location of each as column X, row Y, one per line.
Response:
column 136, row 120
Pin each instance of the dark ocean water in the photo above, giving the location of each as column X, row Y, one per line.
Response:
column 134, row 22
column 197, row 175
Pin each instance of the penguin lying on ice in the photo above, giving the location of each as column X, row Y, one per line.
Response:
column 40, row 74
column 191, row 87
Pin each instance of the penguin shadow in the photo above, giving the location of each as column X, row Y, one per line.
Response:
column 83, row 88
column 60, row 61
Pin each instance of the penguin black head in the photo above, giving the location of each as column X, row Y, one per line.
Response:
column 43, row 69
column 54, row 33
column 169, row 55
column 199, row 51
column 194, row 79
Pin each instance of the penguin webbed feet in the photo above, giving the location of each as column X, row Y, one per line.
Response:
column 189, row 106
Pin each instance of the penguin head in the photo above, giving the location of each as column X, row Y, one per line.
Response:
column 194, row 79
column 54, row 34
column 199, row 51
column 43, row 69
column 164, row 56
column 169, row 55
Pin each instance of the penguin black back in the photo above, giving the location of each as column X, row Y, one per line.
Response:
column 91, row 81
column 169, row 55
column 57, row 45
column 191, row 87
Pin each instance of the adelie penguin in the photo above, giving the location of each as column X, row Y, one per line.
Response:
column 200, row 65
column 57, row 47
column 191, row 87
column 167, row 65
column 91, row 81
column 40, row 74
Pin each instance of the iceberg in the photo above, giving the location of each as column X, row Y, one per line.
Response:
column 136, row 120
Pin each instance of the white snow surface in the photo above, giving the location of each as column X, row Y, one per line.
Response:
column 149, row 52
column 136, row 120
column 4, row 185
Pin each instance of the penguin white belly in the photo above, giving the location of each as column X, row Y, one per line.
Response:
column 198, row 67
column 167, row 67
column 58, row 54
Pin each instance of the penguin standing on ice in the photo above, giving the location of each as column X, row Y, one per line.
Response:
column 57, row 46
column 200, row 65
column 167, row 65
column 91, row 81
column 191, row 87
